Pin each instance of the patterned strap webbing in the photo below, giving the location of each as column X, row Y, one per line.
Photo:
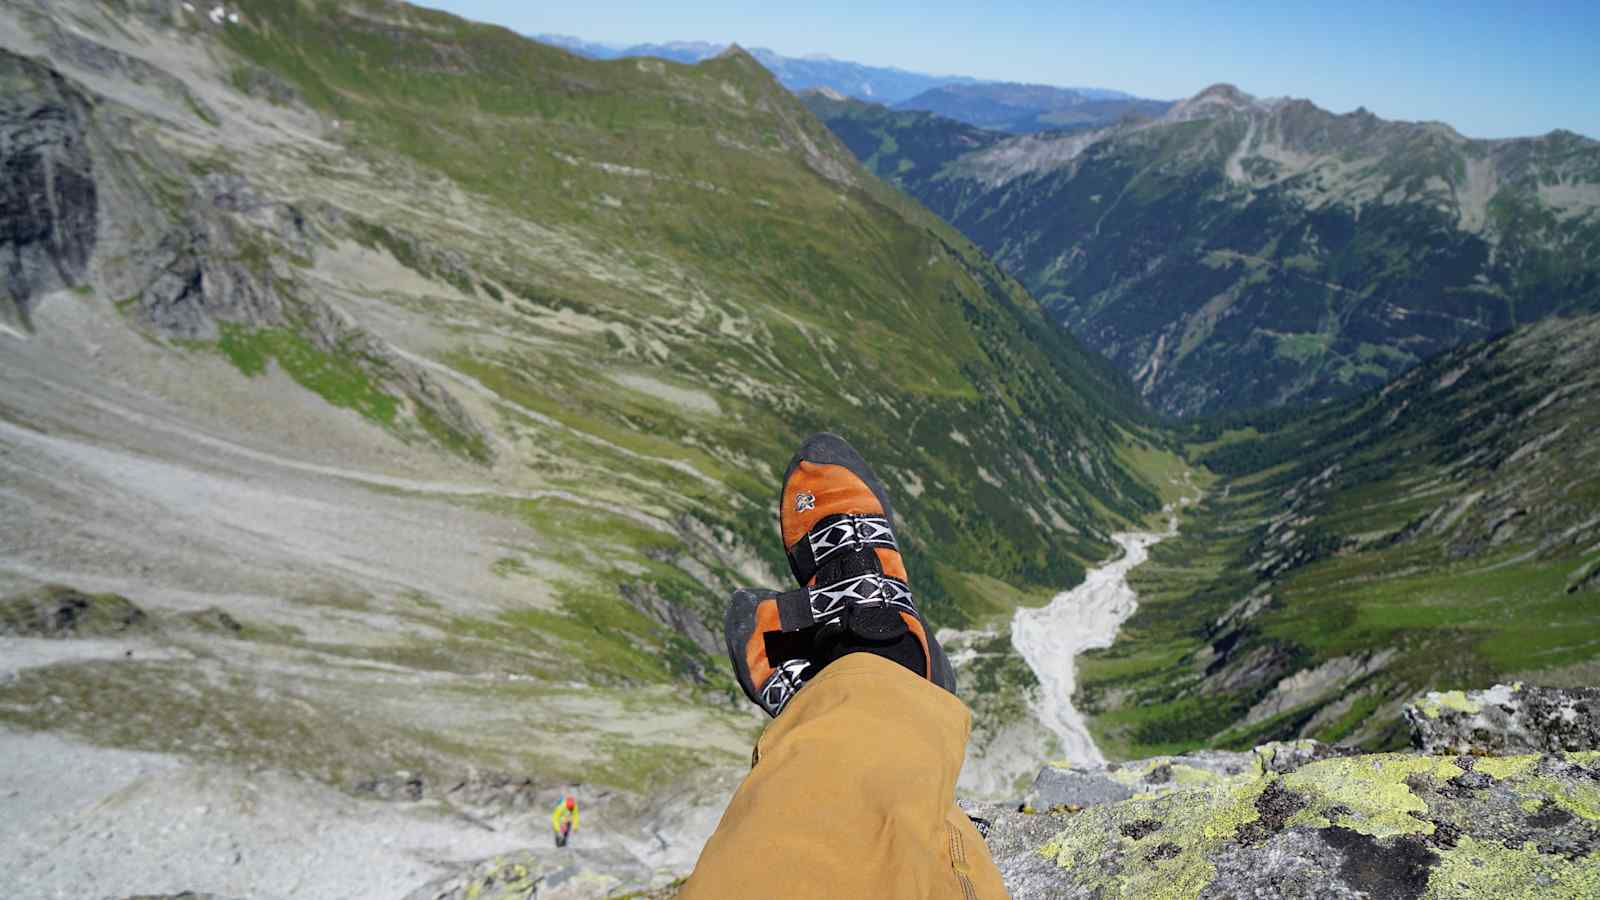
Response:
column 838, row 534
column 782, row 684
column 805, row 607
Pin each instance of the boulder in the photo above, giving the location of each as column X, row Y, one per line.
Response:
column 1058, row 787
column 394, row 787
column 63, row 612
column 1506, row 719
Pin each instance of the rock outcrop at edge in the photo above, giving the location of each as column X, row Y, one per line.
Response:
column 1377, row 825
column 1506, row 719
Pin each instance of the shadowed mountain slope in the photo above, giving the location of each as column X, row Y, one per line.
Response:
column 1239, row 252
column 1441, row 533
column 1022, row 108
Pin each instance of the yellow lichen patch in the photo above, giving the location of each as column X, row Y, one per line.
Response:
column 1489, row 869
column 1503, row 767
column 1223, row 821
column 1134, row 776
column 1189, row 775
column 1077, row 845
column 1580, row 799
column 1195, row 822
column 1181, row 775
column 1374, row 789
column 1437, row 702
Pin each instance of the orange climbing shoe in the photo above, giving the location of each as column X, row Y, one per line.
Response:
column 854, row 595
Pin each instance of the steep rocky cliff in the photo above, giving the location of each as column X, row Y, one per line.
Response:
column 48, row 203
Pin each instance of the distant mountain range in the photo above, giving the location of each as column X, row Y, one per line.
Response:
column 880, row 84
column 1022, row 108
column 1239, row 252
column 988, row 104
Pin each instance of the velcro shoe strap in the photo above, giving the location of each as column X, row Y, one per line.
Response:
column 786, row 678
column 839, row 534
column 805, row 607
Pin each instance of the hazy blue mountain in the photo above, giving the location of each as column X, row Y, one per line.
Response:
column 1023, row 108
column 591, row 49
column 887, row 84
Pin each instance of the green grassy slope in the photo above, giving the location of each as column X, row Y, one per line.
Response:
column 1440, row 533
column 591, row 307
column 903, row 147
column 764, row 268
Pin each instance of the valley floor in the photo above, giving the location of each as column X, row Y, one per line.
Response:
column 1086, row 617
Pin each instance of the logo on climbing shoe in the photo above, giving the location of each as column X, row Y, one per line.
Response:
column 804, row 502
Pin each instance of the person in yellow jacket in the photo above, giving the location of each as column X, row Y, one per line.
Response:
column 564, row 820
column 851, row 791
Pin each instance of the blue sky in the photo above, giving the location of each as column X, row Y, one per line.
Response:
column 1489, row 69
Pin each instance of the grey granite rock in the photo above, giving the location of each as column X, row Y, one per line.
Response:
column 1506, row 719
column 1069, row 787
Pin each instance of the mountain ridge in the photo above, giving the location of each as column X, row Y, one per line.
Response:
column 878, row 84
column 1222, row 238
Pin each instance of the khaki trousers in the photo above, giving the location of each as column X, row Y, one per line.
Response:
column 852, row 795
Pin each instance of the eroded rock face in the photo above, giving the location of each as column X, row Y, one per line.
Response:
column 48, row 199
column 1506, row 719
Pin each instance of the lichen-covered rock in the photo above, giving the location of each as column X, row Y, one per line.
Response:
column 1506, row 719
column 1387, row 825
column 1284, row 757
column 1059, row 785
column 565, row 874
column 63, row 612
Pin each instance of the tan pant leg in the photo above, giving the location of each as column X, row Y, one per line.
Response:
column 852, row 795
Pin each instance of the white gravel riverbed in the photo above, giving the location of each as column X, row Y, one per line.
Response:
column 1087, row 617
